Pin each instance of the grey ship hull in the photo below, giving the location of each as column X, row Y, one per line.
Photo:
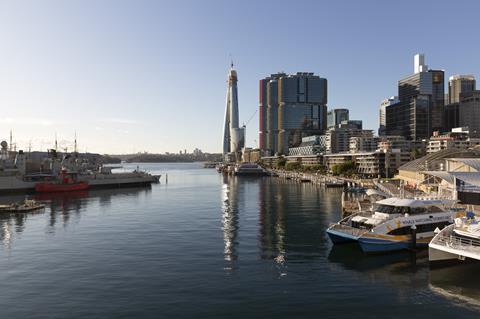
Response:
column 16, row 183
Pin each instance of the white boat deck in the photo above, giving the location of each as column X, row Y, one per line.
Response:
column 449, row 242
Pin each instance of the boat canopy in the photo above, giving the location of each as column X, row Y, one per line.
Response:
column 375, row 192
column 409, row 202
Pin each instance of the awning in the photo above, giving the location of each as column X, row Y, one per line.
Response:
column 471, row 178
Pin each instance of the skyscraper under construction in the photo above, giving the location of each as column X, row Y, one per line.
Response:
column 233, row 135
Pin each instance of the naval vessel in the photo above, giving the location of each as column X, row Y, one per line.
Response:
column 16, row 173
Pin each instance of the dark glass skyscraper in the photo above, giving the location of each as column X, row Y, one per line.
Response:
column 421, row 106
column 291, row 107
column 337, row 116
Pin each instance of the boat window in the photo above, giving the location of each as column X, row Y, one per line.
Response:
column 423, row 228
column 434, row 209
column 405, row 230
column 426, row 228
column 361, row 225
column 418, row 210
column 384, row 209
column 401, row 210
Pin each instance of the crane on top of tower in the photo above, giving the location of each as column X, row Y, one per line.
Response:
column 251, row 117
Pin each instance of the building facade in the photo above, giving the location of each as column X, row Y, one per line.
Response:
column 394, row 143
column 382, row 117
column 421, row 106
column 460, row 84
column 311, row 145
column 363, row 144
column 337, row 140
column 469, row 112
column 268, row 113
column 291, row 107
column 371, row 164
column 336, row 116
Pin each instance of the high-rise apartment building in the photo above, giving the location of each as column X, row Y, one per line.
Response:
column 382, row 118
column 268, row 113
column 233, row 135
column 291, row 107
column 421, row 106
column 336, row 116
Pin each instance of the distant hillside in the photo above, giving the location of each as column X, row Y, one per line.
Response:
column 169, row 158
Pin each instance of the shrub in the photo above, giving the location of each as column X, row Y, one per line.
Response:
column 348, row 168
column 281, row 162
column 292, row 166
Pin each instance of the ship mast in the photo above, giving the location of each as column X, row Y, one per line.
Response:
column 75, row 146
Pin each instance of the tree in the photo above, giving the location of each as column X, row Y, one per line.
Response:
column 293, row 166
column 348, row 168
column 281, row 162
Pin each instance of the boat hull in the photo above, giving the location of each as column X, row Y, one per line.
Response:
column 338, row 237
column 381, row 245
column 56, row 188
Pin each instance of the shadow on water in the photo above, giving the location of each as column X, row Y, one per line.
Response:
column 460, row 283
column 402, row 270
column 350, row 256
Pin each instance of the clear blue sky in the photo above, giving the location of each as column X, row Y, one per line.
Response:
column 151, row 75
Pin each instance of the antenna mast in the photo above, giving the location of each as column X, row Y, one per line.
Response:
column 75, row 146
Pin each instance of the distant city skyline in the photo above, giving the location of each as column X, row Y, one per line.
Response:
column 138, row 76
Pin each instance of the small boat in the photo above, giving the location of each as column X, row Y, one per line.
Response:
column 66, row 183
column 391, row 224
column 28, row 205
column 209, row 165
column 249, row 169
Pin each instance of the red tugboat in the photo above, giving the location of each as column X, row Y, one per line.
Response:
column 66, row 183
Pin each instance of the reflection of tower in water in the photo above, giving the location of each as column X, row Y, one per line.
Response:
column 230, row 217
column 291, row 219
column 272, row 221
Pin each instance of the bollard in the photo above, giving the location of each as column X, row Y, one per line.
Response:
column 413, row 231
column 166, row 178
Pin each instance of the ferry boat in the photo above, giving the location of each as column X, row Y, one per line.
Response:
column 389, row 225
column 249, row 169
column 458, row 242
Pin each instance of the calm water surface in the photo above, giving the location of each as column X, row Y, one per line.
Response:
column 205, row 246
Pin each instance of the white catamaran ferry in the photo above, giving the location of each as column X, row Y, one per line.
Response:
column 457, row 242
column 391, row 222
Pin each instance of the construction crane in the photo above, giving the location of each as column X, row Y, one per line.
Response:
column 251, row 117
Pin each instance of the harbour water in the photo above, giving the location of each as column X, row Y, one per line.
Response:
column 206, row 246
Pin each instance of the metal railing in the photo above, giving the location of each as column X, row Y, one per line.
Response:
column 456, row 242
column 357, row 232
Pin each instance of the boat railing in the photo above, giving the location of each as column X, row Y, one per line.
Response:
column 349, row 229
column 457, row 242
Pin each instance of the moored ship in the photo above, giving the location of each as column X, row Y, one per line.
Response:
column 392, row 224
column 17, row 176
column 459, row 242
column 249, row 169
column 65, row 183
